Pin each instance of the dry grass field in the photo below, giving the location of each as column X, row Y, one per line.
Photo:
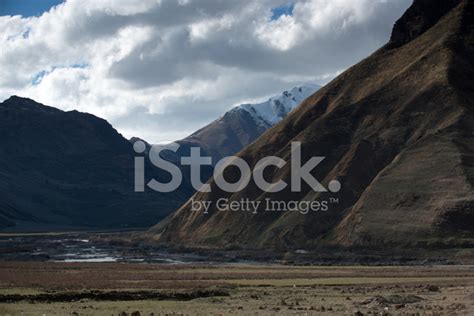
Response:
column 114, row 288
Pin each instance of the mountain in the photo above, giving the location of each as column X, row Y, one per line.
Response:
column 68, row 170
column 396, row 131
column 243, row 124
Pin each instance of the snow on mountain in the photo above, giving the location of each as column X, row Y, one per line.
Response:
column 242, row 125
column 275, row 109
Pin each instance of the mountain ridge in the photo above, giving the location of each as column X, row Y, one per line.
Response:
column 69, row 169
column 244, row 123
column 390, row 111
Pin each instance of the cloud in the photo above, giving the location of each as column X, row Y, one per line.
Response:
column 162, row 69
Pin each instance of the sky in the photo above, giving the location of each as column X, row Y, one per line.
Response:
column 161, row 69
column 26, row 7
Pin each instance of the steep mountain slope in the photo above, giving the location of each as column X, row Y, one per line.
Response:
column 233, row 131
column 70, row 169
column 397, row 132
column 243, row 124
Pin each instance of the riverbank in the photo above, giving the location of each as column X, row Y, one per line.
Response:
column 138, row 247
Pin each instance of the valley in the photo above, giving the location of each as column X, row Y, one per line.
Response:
column 351, row 198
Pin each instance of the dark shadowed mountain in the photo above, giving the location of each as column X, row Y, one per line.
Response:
column 70, row 169
column 397, row 131
column 63, row 170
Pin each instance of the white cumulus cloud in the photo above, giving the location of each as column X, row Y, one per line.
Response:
column 160, row 69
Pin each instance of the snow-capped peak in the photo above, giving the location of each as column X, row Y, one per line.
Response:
column 275, row 109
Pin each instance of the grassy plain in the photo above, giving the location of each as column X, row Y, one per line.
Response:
column 112, row 288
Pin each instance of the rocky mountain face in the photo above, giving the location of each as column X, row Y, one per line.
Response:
column 243, row 124
column 70, row 169
column 396, row 130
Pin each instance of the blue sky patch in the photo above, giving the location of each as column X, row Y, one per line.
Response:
column 25, row 34
column 27, row 7
column 78, row 65
column 36, row 80
column 286, row 9
column 38, row 77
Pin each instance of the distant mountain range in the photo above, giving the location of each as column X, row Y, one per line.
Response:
column 243, row 124
column 68, row 170
column 397, row 132
column 233, row 131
